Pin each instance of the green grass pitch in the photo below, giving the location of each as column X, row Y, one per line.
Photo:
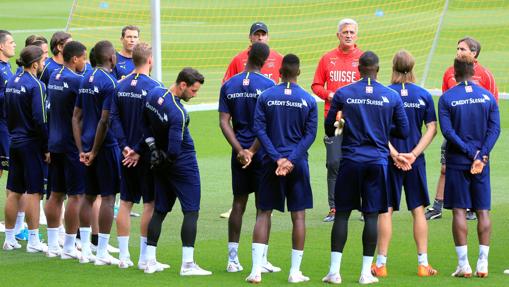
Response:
column 19, row 268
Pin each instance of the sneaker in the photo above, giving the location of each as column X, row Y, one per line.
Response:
column 78, row 243
column 87, row 257
column 38, row 247
column 134, row 214
column 22, row 235
column 426, row 271
column 269, row 268
column 106, row 260
column 463, row 271
column 234, row 267
column 482, row 268
column 143, row 264
column 378, row 271
column 367, row 279
column 11, row 245
column 330, row 217
column 333, row 278
column 73, row 254
column 471, row 215
column 54, row 252
column 125, row 263
column 432, row 213
column 226, row 214
column 254, row 278
column 506, row 271
column 191, row 269
column 110, row 248
column 297, row 277
column 152, row 266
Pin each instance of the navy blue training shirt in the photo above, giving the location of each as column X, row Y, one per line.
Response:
column 123, row 67
column 49, row 67
column 5, row 75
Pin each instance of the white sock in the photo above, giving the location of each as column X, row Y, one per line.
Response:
column 366, row 265
column 10, row 235
column 422, row 259
column 335, row 262
column 151, row 253
column 123, row 246
column 462, row 252
column 265, row 254
column 233, row 251
column 296, row 260
column 70, row 240
column 33, row 237
column 102, row 244
column 187, row 254
column 484, row 250
column 143, row 248
column 85, row 238
column 61, row 229
column 257, row 251
column 53, row 237
column 20, row 219
column 381, row 260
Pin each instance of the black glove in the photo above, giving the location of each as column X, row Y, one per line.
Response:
column 158, row 158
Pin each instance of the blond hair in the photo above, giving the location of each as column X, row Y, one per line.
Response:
column 402, row 68
column 141, row 52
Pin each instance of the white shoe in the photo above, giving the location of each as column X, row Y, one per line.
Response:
column 506, row 271
column 482, row 268
column 2, row 227
column 54, row 252
column 125, row 263
column 87, row 257
column 367, row 279
column 11, row 245
column 234, row 267
column 143, row 264
column 78, row 244
column 74, row 254
column 39, row 247
column 297, row 277
column 463, row 271
column 226, row 214
column 152, row 266
column 191, row 269
column 254, row 278
column 112, row 249
column 106, row 260
column 333, row 278
column 269, row 268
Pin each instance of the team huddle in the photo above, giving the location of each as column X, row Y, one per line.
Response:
column 98, row 128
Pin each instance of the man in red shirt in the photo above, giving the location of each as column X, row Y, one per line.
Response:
column 483, row 77
column 336, row 69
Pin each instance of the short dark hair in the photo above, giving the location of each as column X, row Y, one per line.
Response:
column 472, row 44
column 3, row 35
column 463, row 67
column 131, row 28
column 29, row 55
column 103, row 51
column 368, row 63
column 91, row 57
column 190, row 76
column 290, row 67
column 258, row 54
column 32, row 39
column 73, row 49
column 58, row 38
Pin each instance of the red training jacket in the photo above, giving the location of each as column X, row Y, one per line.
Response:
column 269, row 69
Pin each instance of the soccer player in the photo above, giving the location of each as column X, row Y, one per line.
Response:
column 98, row 150
column 336, row 69
column 482, row 77
column 372, row 112
column 57, row 43
column 467, row 177
column 407, row 167
column 136, row 181
column 237, row 102
column 65, row 170
column 39, row 41
column 285, row 124
column 125, row 65
column 176, row 173
column 26, row 122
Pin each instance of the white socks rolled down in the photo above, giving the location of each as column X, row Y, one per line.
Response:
column 422, row 259
column 381, row 260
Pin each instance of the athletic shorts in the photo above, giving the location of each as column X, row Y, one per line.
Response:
column 361, row 186
column 4, row 146
column 181, row 181
column 466, row 190
column 295, row 187
column 136, row 183
column 245, row 181
column 66, row 174
column 414, row 182
column 442, row 151
column 103, row 176
column 26, row 169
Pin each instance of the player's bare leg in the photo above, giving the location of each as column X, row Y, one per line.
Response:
column 32, row 214
column 123, row 229
column 72, row 223
column 459, row 232
column 86, row 219
column 234, row 229
column 260, row 240
column 484, row 234
column 298, row 239
column 379, row 269
column 148, row 210
column 53, row 211
column 424, row 269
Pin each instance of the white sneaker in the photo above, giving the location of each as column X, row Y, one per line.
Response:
column 11, row 245
column 367, row 279
column 269, row 268
column 74, row 254
column 191, row 269
column 152, row 266
column 297, row 277
column 106, row 260
column 234, row 267
column 506, row 271
column 254, row 278
column 463, row 271
column 143, row 264
column 124, row 263
column 54, row 252
column 112, row 249
column 78, row 244
column 226, row 214
column 482, row 268
column 333, row 278
column 39, row 247
column 87, row 257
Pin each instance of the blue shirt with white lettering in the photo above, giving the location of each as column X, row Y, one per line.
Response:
column 63, row 89
column 470, row 121
column 123, row 67
column 238, row 98
column 372, row 112
column 420, row 109
column 286, row 121
column 49, row 67
column 5, row 75
column 127, row 108
column 94, row 96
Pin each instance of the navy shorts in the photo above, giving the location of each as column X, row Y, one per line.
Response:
column 4, row 146
column 245, row 181
column 137, row 182
column 66, row 173
column 103, row 176
column 414, row 182
column 181, row 181
column 26, row 169
column 361, row 186
column 466, row 190
column 295, row 187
